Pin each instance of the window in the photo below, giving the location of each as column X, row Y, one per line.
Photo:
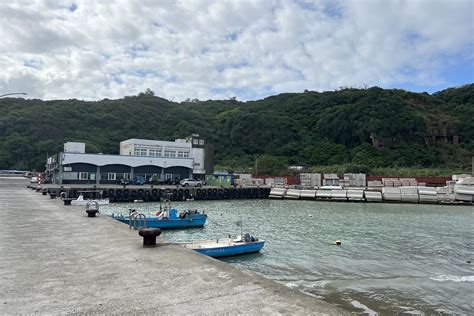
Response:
column 83, row 175
column 111, row 176
column 136, row 152
column 201, row 142
column 167, row 153
column 180, row 154
column 186, row 154
column 197, row 164
column 126, row 176
column 195, row 141
column 70, row 175
column 168, row 176
column 142, row 152
column 154, row 152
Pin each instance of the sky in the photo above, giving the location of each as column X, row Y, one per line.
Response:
column 248, row 49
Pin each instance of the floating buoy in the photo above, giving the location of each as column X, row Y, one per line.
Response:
column 337, row 242
column 310, row 215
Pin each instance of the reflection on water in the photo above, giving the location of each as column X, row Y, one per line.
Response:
column 393, row 258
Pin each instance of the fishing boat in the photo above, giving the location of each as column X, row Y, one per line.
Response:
column 81, row 201
column 166, row 218
column 226, row 247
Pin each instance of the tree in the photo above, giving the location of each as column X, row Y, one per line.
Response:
column 148, row 92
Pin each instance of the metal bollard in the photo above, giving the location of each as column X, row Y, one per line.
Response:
column 149, row 235
column 92, row 208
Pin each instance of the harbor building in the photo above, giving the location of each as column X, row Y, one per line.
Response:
column 191, row 157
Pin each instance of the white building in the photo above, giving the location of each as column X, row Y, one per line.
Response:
column 192, row 147
column 163, row 160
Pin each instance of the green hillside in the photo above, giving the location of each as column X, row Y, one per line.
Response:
column 358, row 128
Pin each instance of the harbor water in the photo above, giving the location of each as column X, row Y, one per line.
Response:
column 394, row 258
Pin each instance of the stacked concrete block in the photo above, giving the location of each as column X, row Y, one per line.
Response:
column 409, row 194
column 391, row 194
column 277, row 193
column 323, row 194
column 373, row 196
column 355, row 195
column 330, row 179
column 464, row 189
column 270, row 181
column 427, row 194
column 355, row 180
column 340, row 195
column 277, row 181
column 408, row 182
column 293, row 194
column 388, row 182
column 445, row 193
column 375, row 184
column 310, row 180
column 308, row 194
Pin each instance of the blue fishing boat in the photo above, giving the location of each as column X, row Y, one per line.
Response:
column 226, row 247
column 165, row 218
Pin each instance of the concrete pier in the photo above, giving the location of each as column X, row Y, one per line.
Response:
column 56, row 260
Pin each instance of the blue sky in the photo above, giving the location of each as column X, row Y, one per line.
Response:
column 248, row 49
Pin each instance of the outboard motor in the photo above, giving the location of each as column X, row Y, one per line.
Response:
column 247, row 237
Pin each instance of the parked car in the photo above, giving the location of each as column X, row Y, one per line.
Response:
column 138, row 180
column 34, row 180
column 191, row 183
column 123, row 181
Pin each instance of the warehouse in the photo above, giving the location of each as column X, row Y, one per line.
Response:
column 163, row 160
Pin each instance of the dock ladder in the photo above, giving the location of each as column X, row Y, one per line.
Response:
column 136, row 220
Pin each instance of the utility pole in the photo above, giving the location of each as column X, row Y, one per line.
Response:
column 256, row 166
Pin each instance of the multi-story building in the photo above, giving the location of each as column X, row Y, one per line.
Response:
column 163, row 160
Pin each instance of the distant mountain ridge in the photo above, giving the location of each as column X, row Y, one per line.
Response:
column 374, row 127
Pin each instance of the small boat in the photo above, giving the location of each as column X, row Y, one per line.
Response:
column 83, row 202
column 165, row 218
column 241, row 245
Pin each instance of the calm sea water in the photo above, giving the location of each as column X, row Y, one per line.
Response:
column 394, row 258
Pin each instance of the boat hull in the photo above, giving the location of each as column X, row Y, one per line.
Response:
column 169, row 223
column 234, row 250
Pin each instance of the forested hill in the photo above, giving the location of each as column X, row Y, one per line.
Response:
column 371, row 127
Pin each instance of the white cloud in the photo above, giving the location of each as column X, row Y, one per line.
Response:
column 216, row 49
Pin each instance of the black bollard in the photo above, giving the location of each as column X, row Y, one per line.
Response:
column 91, row 213
column 149, row 235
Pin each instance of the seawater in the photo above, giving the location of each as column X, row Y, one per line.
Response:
column 394, row 258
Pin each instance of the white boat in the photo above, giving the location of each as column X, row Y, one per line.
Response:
column 80, row 201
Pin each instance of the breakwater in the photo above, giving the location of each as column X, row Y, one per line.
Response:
column 153, row 193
